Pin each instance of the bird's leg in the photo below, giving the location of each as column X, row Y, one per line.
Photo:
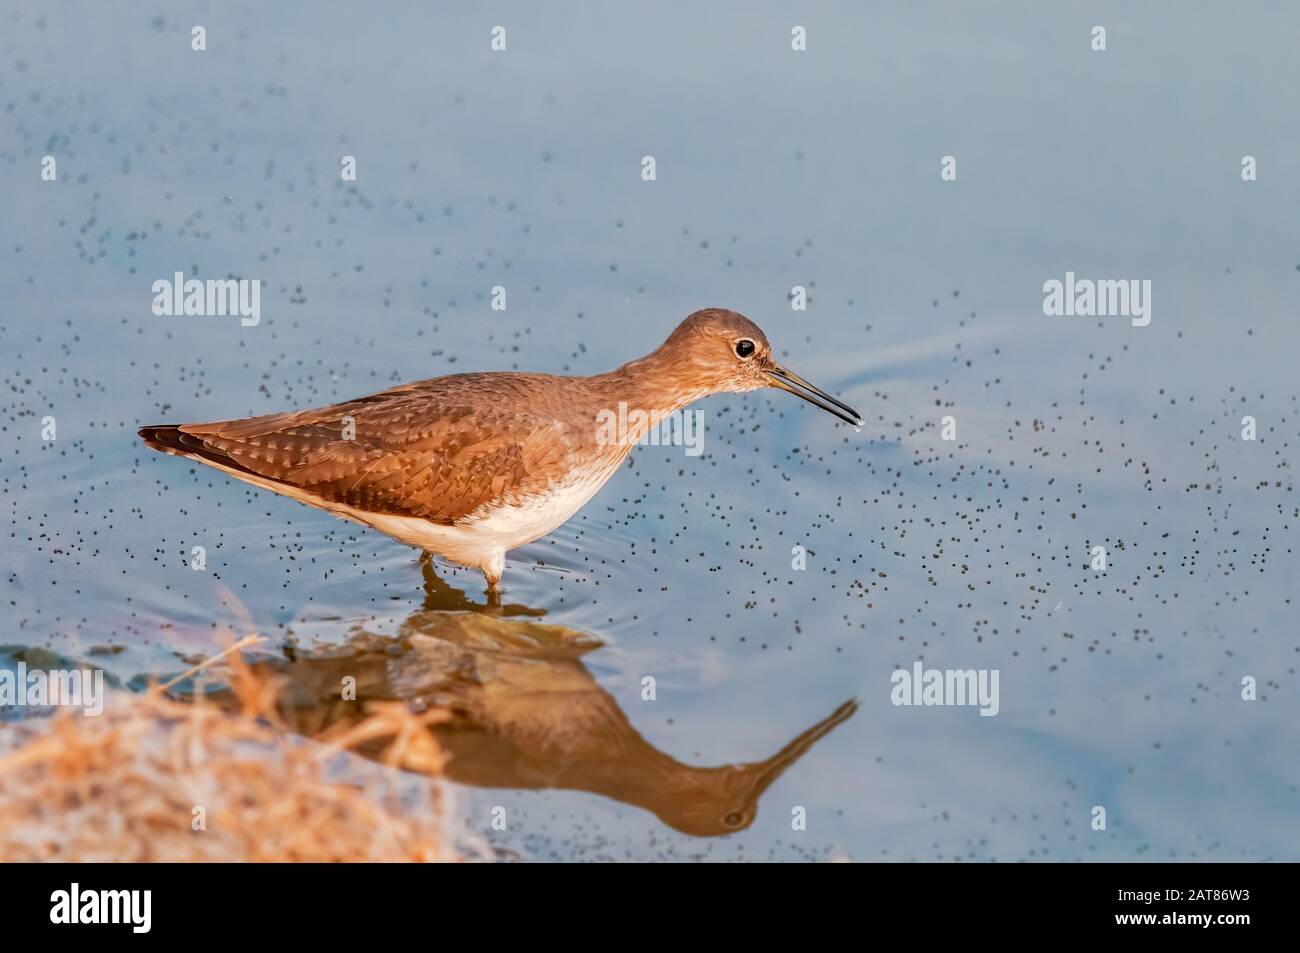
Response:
column 425, row 558
column 492, row 573
column 440, row 597
column 493, row 590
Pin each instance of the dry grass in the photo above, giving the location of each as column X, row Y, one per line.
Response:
column 125, row 786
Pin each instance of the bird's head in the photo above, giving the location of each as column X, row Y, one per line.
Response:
column 721, row 351
column 708, row 802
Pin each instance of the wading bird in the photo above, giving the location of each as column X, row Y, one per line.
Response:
column 471, row 466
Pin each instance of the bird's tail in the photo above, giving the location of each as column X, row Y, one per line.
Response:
column 178, row 441
column 165, row 437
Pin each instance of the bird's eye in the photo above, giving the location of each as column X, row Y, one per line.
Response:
column 744, row 348
column 735, row 818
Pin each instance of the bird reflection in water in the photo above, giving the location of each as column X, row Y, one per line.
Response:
column 526, row 711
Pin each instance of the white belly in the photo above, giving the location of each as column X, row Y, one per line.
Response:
column 483, row 537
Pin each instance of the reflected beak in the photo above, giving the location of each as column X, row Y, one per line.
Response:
column 771, row 769
column 792, row 382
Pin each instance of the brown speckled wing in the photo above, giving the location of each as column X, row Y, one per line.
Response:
column 434, row 449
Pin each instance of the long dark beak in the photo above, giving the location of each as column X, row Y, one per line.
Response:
column 792, row 382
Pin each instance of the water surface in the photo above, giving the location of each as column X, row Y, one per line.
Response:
column 774, row 169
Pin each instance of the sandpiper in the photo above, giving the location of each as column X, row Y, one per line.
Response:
column 471, row 466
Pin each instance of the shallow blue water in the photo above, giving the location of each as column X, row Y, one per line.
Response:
column 774, row 169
